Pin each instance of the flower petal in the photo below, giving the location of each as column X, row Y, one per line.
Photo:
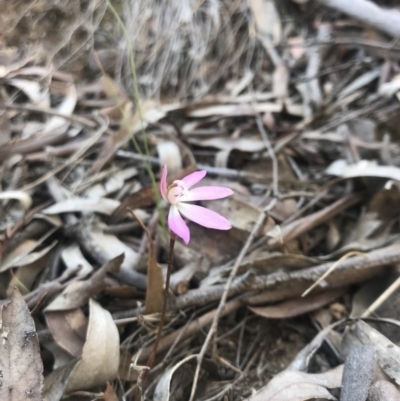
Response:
column 194, row 178
column 205, row 193
column 177, row 225
column 163, row 182
column 204, row 217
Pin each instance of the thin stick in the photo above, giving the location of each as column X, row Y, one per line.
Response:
column 150, row 361
column 225, row 294
column 382, row 298
column 257, row 226
column 332, row 268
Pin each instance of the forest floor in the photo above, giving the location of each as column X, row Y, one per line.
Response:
column 294, row 106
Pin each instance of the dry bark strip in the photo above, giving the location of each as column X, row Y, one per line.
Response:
column 284, row 285
column 279, row 286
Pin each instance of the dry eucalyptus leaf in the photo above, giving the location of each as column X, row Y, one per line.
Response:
column 360, row 82
column 22, row 197
column 66, row 107
column 298, row 386
column 68, row 329
column 297, row 307
column 227, row 110
column 109, row 394
column 56, row 382
column 383, row 390
column 26, row 259
column 170, row 154
column 364, row 168
column 242, row 144
column 267, row 19
column 33, row 90
column 155, row 280
column 113, row 247
column 20, row 363
column 100, row 355
column 103, row 206
column 26, row 275
column 163, row 389
column 78, row 292
column 242, row 215
column 280, row 82
column 72, row 257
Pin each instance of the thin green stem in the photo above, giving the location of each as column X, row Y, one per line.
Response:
column 140, row 113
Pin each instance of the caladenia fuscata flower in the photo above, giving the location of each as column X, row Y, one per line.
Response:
column 180, row 192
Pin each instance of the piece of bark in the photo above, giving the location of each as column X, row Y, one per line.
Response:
column 358, row 373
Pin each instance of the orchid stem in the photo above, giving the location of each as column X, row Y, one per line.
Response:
column 153, row 353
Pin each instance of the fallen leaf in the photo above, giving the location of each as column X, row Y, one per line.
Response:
column 78, row 292
column 163, row 389
column 155, row 279
column 170, row 154
column 113, row 247
column 298, row 386
column 68, row 329
column 104, row 206
column 140, row 199
column 109, row 394
column 21, row 255
column 360, row 82
column 297, row 307
column 100, row 355
column 56, row 382
column 66, row 107
column 32, row 89
column 242, row 215
column 72, row 257
column 280, row 82
column 383, row 390
column 364, row 168
column 227, row 110
column 28, row 259
column 267, row 19
column 22, row 197
column 20, row 363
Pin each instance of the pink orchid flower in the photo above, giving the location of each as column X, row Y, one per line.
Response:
column 179, row 192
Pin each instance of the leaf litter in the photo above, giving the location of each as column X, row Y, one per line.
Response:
column 293, row 108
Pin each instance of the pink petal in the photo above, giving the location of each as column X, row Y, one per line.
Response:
column 206, row 193
column 204, row 217
column 163, row 182
column 194, row 178
column 177, row 225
